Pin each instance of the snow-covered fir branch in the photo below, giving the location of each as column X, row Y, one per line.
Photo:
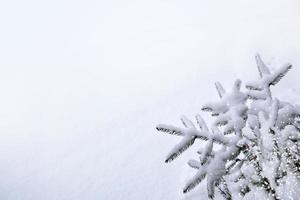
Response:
column 252, row 144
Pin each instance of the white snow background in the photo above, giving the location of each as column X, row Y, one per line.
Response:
column 84, row 83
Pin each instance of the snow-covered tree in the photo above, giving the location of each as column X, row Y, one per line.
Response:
column 253, row 143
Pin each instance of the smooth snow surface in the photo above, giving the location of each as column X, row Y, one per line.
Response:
column 84, row 83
